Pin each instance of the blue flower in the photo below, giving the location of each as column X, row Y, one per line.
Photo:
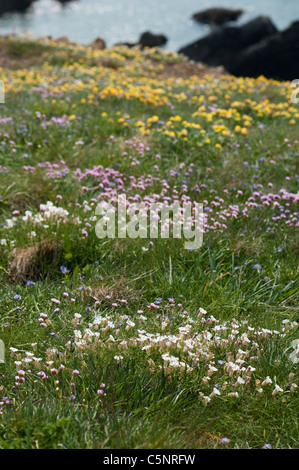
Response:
column 64, row 269
column 267, row 446
column 257, row 266
column 225, row 440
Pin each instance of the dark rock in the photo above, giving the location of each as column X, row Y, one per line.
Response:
column 127, row 44
column 276, row 57
column 223, row 45
column 7, row 6
column 148, row 39
column 217, row 16
column 64, row 2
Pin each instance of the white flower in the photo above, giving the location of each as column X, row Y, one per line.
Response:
column 10, row 222
column 240, row 381
column 267, row 381
column 118, row 359
column 206, row 400
column 201, row 313
column 205, row 380
column 211, row 370
column 215, row 392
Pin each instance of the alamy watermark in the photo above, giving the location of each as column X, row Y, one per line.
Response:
column 295, row 93
column 154, row 220
column 294, row 356
column 2, row 92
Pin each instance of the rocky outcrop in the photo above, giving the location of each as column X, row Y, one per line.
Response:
column 217, row 16
column 276, row 57
column 223, row 45
column 127, row 44
column 147, row 39
column 7, row 6
column 98, row 43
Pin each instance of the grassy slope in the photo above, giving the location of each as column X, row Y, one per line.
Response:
column 222, row 141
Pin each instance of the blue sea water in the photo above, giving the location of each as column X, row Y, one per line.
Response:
column 124, row 20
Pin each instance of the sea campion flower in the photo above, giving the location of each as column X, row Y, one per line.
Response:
column 267, row 381
column 277, row 389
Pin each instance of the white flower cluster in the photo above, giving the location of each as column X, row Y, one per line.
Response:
column 47, row 212
column 226, row 352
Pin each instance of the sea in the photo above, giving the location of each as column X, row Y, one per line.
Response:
column 124, row 20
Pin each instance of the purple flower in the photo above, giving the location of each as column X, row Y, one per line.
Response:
column 257, row 266
column 64, row 269
column 225, row 440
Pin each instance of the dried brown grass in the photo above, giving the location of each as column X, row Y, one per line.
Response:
column 117, row 289
column 34, row 262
